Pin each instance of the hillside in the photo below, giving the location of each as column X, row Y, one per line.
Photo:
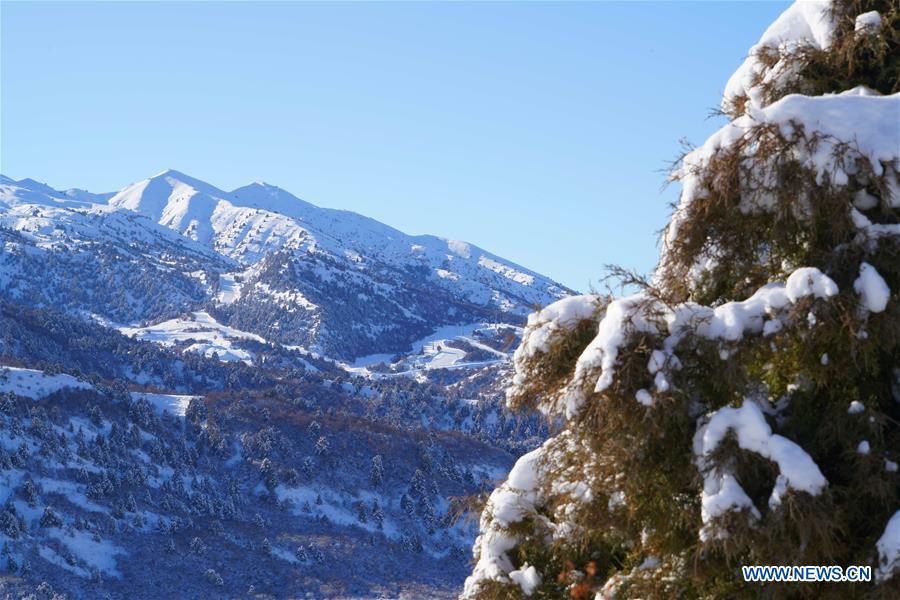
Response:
column 245, row 391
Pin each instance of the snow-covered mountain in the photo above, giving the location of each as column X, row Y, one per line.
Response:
column 261, row 259
column 250, row 221
column 191, row 377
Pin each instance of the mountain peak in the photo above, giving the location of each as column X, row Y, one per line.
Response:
column 171, row 173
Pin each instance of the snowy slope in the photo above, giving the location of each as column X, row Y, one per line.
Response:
column 58, row 249
column 173, row 404
column 35, row 384
column 258, row 218
column 334, row 282
column 203, row 333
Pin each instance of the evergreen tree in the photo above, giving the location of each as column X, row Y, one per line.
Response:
column 377, row 514
column 29, row 492
column 742, row 407
column 301, row 554
column 377, row 471
column 197, row 546
column 322, row 446
column 406, row 504
column 308, row 467
column 417, row 484
column 50, row 518
column 214, row 578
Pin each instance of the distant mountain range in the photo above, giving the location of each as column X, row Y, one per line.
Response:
column 239, row 394
column 333, row 282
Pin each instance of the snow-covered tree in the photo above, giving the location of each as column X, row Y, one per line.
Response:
column 50, row 518
column 197, row 546
column 322, row 446
column 743, row 407
column 417, row 486
column 214, row 578
column 377, row 471
column 377, row 514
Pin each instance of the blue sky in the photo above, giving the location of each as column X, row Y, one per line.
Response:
column 539, row 131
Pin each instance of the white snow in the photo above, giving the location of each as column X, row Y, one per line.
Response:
column 174, row 404
column 803, row 24
column 34, row 384
column 435, row 351
column 558, row 318
column 868, row 22
column 459, row 248
column 245, row 224
column 872, row 289
column 644, row 397
column 336, row 506
column 721, row 491
column 726, row 324
column 229, row 289
column 527, row 578
column 863, row 125
column 445, row 274
column 52, row 557
column 72, row 492
column 863, row 447
column 210, row 336
column 99, row 555
column 506, row 270
column 889, row 549
column 809, row 281
column 508, row 504
column 856, row 407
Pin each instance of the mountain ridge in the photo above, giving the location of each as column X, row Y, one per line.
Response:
column 334, row 281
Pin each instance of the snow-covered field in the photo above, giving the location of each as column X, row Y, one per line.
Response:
column 209, row 336
column 172, row 403
column 35, row 384
column 436, row 352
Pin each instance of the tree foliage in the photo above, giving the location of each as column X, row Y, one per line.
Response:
column 743, row 408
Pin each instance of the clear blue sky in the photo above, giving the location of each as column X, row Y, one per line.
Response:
column 537, row 131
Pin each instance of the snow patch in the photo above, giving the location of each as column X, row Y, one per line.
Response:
column 872, row 289
column 889, row 549
column 527, row 578
column 35, row 384
column 868, row 22
column 721, row 491
column 856, row 407
column 173, row 404
column 211, row 337
column 461, row 249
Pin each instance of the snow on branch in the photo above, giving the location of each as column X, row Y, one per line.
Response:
column 889, row 549
column 721, row 490
column 803, row 25
column 595, row 369
column 508, row 504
